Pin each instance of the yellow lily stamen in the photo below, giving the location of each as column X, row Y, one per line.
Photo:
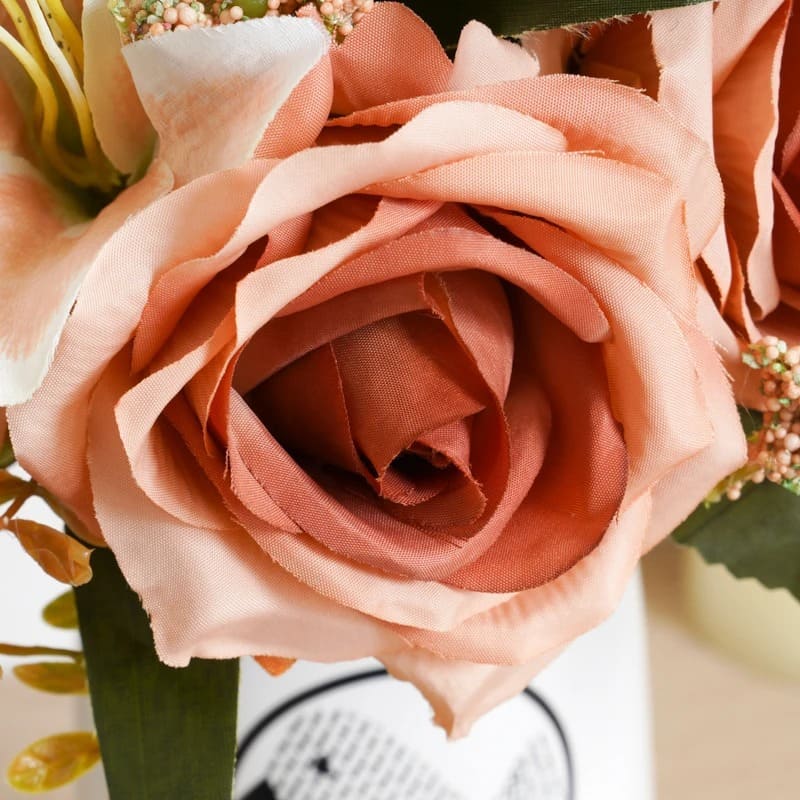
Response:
column 25, row 32
column 68, row 30
column 71, row 84
column 59, row 160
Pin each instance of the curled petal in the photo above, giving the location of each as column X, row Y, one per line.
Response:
column 459, row 691
column 483, row 58
column 213, row 119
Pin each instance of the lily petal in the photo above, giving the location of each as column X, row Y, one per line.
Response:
column 44, row 255
column 120, row 123
column 212, row 117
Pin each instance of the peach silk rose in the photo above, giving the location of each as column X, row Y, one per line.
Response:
column 730, row 71
column 420, row 382
column 49, row 238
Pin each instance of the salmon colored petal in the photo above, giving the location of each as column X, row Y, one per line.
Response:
column 213, row 118
column 548, row 617
column 678, row 492
column 550, row 49
column 748, row 43
column 634, row 199
column 287, row 338
column 787, row 238
column 620, row 123
column 682, row 42
column 301, row 118
column 425, row 604
column 573, row 499
column 788, row 143
column 120, row 122
column 736, row 25
column 269, row 612
column 460, row 692
column 391, row 54
column 483, row 58
column 37, row 292
column 661, row 406
column 430, row 139
column 45, row 256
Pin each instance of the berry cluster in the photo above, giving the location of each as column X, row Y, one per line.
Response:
column 774, row 447
column 142, row 19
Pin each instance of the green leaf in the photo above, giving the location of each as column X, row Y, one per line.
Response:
column 164, row 733
column 757, row 536
column 513, row 17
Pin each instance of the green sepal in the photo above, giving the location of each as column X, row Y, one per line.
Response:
column 757, row 536
column 513, row 17
column 164, row 733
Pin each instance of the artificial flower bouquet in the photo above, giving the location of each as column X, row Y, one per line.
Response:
column 350, row 328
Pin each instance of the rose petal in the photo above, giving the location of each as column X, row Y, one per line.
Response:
column 622, row 124
column 269, row 612
column 387, row 43
column 748, row 41
column 460, row 692
column 682, row 42
column 482, row 57
column 213, row 118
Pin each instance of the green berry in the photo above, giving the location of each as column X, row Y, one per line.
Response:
column 253, row 8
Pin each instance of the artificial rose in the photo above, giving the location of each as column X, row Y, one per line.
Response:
column 51, row 189
column 729, row 72
column 421, row 382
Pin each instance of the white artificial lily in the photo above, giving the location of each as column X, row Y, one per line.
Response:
column 80, row 118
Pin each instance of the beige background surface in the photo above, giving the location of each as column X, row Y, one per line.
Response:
column 722, row 732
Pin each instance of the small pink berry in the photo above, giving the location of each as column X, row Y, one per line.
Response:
column 187, row 16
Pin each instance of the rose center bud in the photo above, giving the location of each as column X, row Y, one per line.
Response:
column 391, row 408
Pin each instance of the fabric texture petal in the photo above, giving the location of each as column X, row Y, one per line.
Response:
column 214, row 120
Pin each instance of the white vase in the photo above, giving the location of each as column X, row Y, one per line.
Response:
column 581, row 731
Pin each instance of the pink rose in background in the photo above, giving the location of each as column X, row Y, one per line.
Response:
column 729, row 72
column 420, row 382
